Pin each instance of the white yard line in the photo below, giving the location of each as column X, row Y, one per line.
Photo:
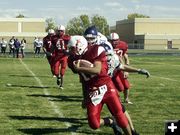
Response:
column 53, row 105
column 139, row 61
column 165, row 78
column 158, row 63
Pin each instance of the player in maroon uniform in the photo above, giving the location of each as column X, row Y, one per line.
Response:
column 47, row 46
column 120, row 77
column 98, row 84
column 59, row 45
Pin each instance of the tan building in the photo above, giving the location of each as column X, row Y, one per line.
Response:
column 150, row 33
column 29, row 28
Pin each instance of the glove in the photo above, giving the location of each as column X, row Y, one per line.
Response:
column 144, row 72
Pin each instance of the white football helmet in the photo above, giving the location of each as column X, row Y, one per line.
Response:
column 78, row 43
column 114, row 36
column 51, row 32
column 61, row 27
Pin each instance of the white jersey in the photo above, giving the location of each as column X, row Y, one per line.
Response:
column 112, row 58
column 38, row 43
column 23, row 45
column 3, row 43
column 101, row 38
column 11, row 43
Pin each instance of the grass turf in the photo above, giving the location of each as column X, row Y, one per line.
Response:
column 31, row 103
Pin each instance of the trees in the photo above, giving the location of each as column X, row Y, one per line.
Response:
column 50, row 24
column 136, row 15
column 77, row 25
column 20, row 16
column 101, row 23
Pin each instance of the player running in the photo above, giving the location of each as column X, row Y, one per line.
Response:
column 98, row 84
column 59, row 45
column 47, row 48
column 120, row 77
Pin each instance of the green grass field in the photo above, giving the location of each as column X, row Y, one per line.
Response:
column 31, row 103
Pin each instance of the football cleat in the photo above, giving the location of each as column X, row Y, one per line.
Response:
column 58, row 81
column 61, row 87
column 134, row 132
column 116, row 129
column 128, row 102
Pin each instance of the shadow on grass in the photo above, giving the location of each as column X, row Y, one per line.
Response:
column 70, row 130
column 59, row 97
column 60, row 119
column 29, row 86
column 22, row 75
column 75, row 124
column 40, row 131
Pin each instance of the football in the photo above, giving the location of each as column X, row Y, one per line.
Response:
column 84, row 63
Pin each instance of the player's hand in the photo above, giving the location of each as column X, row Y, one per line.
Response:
column 144, row 72
column 76, row 64
column 126, row 74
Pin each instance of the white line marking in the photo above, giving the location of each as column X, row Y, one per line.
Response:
column 165, row 78
column 158, row 63
column 55, row 107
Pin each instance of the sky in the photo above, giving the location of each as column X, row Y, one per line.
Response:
column 113, row 10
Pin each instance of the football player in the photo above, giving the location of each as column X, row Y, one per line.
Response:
column 47, row 48
column 95, row 37
column 59, row 46
column 98, row 84
column 120, row 77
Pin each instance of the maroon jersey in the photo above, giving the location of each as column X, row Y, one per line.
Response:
column 121, row 48
column 59, row 45
column 96, row 53
column 47, row 43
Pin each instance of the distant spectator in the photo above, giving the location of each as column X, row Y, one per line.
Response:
column 22, row 47
column 11, row 46
column 3, row 45
column 38, row 43
column 17, row 45
column 35, row 43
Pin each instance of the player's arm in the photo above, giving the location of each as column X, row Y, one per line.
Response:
column 126, row 59
column 133, row 69
column 95, row 69
column 126, row 62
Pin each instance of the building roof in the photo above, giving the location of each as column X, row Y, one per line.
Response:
column 137, row 20
column 22, row 20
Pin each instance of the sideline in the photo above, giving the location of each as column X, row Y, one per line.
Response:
column 55, row 107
